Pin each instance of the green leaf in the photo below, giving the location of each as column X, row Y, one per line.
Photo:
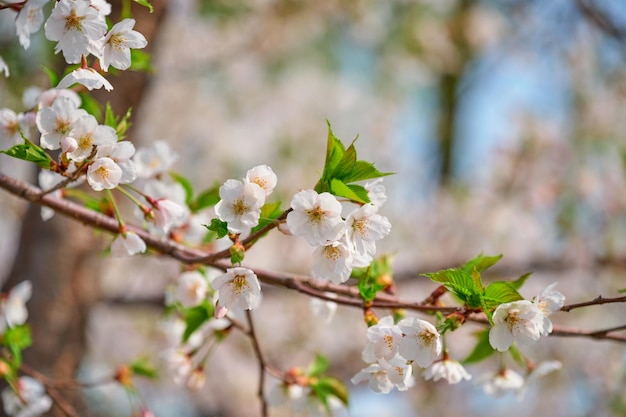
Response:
column 145, row 3
column 354, row 193
column 140, row 61
column 329, row 386
column 622, row 291
column 196, row 317
column 109, row 117
column 346, row 163
column 318, row 366
column 369, row 278
column 334, row 153
column 219, row 227
column 186, row 184
column 207, row 198
column 17, row 339
column 481, row 263
column 363, row 170
column 269, row 213
column 517, row 284
column 500, row 292
column 482, row 350
column 143, row 367
column 28, row 151
column 459, row 283
column 124, row 125
column 53, row 77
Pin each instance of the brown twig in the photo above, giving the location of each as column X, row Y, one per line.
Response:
column 596, row 301
column 262, row 364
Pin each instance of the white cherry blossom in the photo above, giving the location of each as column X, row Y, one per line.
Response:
column 47, row 98
column 421, row 341
column 178, row 363
column 74, row 25
column 32, row 400
column 264, row 177
column 117, row 43
column 56, row 121
column 519, row 321
column 9, row 129
column 316, row 217
column 169, row 214
column 127, row 244
column 121, row 153
column 448, row 369
column 102, row 6
column 383, row 340
column 13, row 310
column 238, row 288
column 88, row 77
column 550, row 300
column 376, row 192
column 4, row 68
column 364, row 227
column 498, row 384
column 191, row 288
column 384, row 375
column 104, row 173
column 154, row 160
column 324, row 309
column 29, row 20
column 240, row 205
column 332, row 262
column 88, row 133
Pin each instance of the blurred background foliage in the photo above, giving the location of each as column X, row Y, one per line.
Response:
column 503, row 120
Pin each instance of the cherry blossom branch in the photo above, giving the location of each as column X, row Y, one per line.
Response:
column 304, row 284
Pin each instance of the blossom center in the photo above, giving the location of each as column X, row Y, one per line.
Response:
column 426, row 337
column 512, row 319
column 332, row 253
column 117, row 42
column 316, row 215
column 11, row 128
column 388, row 340
column 62, row 125
column 360, row 225
column 74, row 22
column 239, row 284
column 86, row 141
column 240, row 207
column 103, row 172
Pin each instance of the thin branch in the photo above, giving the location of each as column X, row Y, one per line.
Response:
column 596, row 301
column 262, row 363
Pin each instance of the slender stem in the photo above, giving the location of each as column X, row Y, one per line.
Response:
column 120, row 221
column 596, row 301
column 131, row 197
column 262, row 365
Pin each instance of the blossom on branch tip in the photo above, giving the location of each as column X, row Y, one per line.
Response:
column 74, row 25
column 238, row 288
column 88, row 77
column 127, row 244
column 316, row 217
column 384, row 375
column 56, row 121
column 88, row 133
column 103, row 174
column 117, row 43
column 364, row 227
column 332, row 262
column 383, row 340
column 448, row 369
column 550, row 300
column 519, row 321
column 264, row 177
column 192, row 289
column 500, row 383
column 9, row 129
column 420, row 342
column 240, row 205
column 13, row 310
column 31, row 401
column 29, row 20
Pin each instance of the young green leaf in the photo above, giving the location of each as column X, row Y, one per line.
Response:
column 207, row 198
column 145, row 3
column 143, row 367
column 517, row 284
column 196, row 317
column 269, row 213
column 219, row 227
column 28, row 151
column 363, row 170
column 354, row 193
column 481, row 263
column 500, row 292
column 186, row 184
column 329, row 386
column 318, row 366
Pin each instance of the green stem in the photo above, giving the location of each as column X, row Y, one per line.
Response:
column 116, row 210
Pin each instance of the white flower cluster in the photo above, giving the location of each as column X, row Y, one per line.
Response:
column 392, row 349
column 340, row 245
column 79, row 28
column 241, row 201
column 524, row 321
column 498, row 384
